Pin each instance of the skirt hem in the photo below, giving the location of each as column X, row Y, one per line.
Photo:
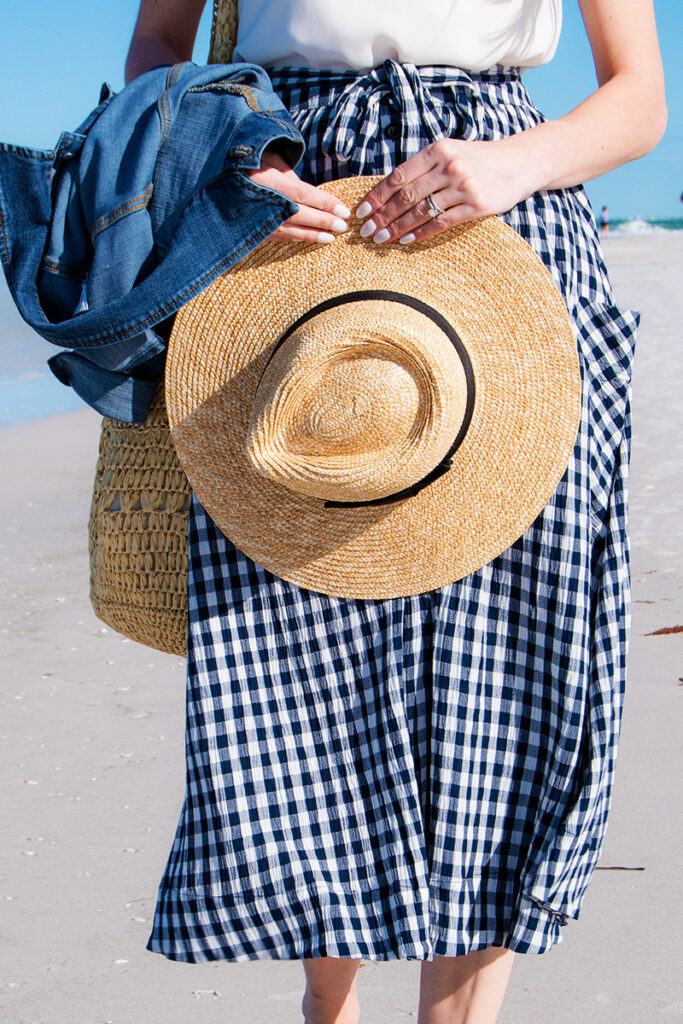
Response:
column 196, row 927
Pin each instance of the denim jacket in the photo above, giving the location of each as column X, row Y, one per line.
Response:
column 104, row 237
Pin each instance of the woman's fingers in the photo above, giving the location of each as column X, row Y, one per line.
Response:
column 320, row 213
column 390, row 227
column 309, row 224
column 409, row 204
column 276, row 173
column 313, row 217
column 315, row 198
column 287, row 233
column 400, row 177
column 458, row 214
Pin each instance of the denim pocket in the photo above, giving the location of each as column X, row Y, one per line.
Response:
column 131, row 205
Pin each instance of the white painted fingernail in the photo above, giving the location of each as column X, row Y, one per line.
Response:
column 339, row 225
column 341, row 211
column 325, row 236
column 404, row 239
column 368, row 228
column 382, row 235
column 363, row 210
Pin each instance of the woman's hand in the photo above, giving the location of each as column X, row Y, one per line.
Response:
column 622, row 120
column 319, row 213
column 466, row 179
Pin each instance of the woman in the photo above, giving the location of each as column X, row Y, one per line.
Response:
column 523, row 662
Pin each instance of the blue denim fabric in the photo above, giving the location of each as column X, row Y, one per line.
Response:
column 104, row 237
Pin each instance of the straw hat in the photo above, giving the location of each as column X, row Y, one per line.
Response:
column 374, row 421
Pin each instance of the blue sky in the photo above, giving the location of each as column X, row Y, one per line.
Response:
column 56, row 55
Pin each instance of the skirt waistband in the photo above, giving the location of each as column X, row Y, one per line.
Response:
column 321, row 81
column 429, row 102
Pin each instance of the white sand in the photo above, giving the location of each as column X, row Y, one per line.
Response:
column 93, row 756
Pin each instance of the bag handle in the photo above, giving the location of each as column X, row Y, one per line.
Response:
column 223, row 31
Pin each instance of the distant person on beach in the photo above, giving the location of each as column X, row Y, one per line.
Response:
column 423, row 777
column 604, row 222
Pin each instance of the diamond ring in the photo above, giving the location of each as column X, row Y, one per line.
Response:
column 433, row 208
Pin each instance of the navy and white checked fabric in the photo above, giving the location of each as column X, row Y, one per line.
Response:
column 429, row 775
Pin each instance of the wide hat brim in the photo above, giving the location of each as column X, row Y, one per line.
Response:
column 486, row 281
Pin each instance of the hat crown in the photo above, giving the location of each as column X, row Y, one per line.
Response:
column 363, row 401
column 360, row 401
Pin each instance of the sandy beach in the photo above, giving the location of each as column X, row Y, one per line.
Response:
column 93, row 755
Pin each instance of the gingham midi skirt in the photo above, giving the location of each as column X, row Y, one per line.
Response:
column 429, row 775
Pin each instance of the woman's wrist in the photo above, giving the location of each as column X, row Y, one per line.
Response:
column 536, row 153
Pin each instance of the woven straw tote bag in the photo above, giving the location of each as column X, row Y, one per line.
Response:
column 137, row 534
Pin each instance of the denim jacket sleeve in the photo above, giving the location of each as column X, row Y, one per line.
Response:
column 104, row 237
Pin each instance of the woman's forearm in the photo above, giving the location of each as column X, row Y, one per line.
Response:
column 622, row 121
column 147, row 52
column 624, row 118
column 164, row 33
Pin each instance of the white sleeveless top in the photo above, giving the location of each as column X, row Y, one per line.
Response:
column 470, row 34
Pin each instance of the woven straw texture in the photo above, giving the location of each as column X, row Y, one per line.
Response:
column 223, row 31
column 138, row 532
column 139, row 512
column 482, row 278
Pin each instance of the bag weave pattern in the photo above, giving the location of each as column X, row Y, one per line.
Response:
column 138, row 532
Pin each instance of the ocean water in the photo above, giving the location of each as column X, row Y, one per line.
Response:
column 29, row 390
column 32, row 395
column 637, row 227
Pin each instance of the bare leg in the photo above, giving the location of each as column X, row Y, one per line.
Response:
column 464, row 989
column 330, row 996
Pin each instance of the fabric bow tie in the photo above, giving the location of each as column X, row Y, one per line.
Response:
column 419, row 113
